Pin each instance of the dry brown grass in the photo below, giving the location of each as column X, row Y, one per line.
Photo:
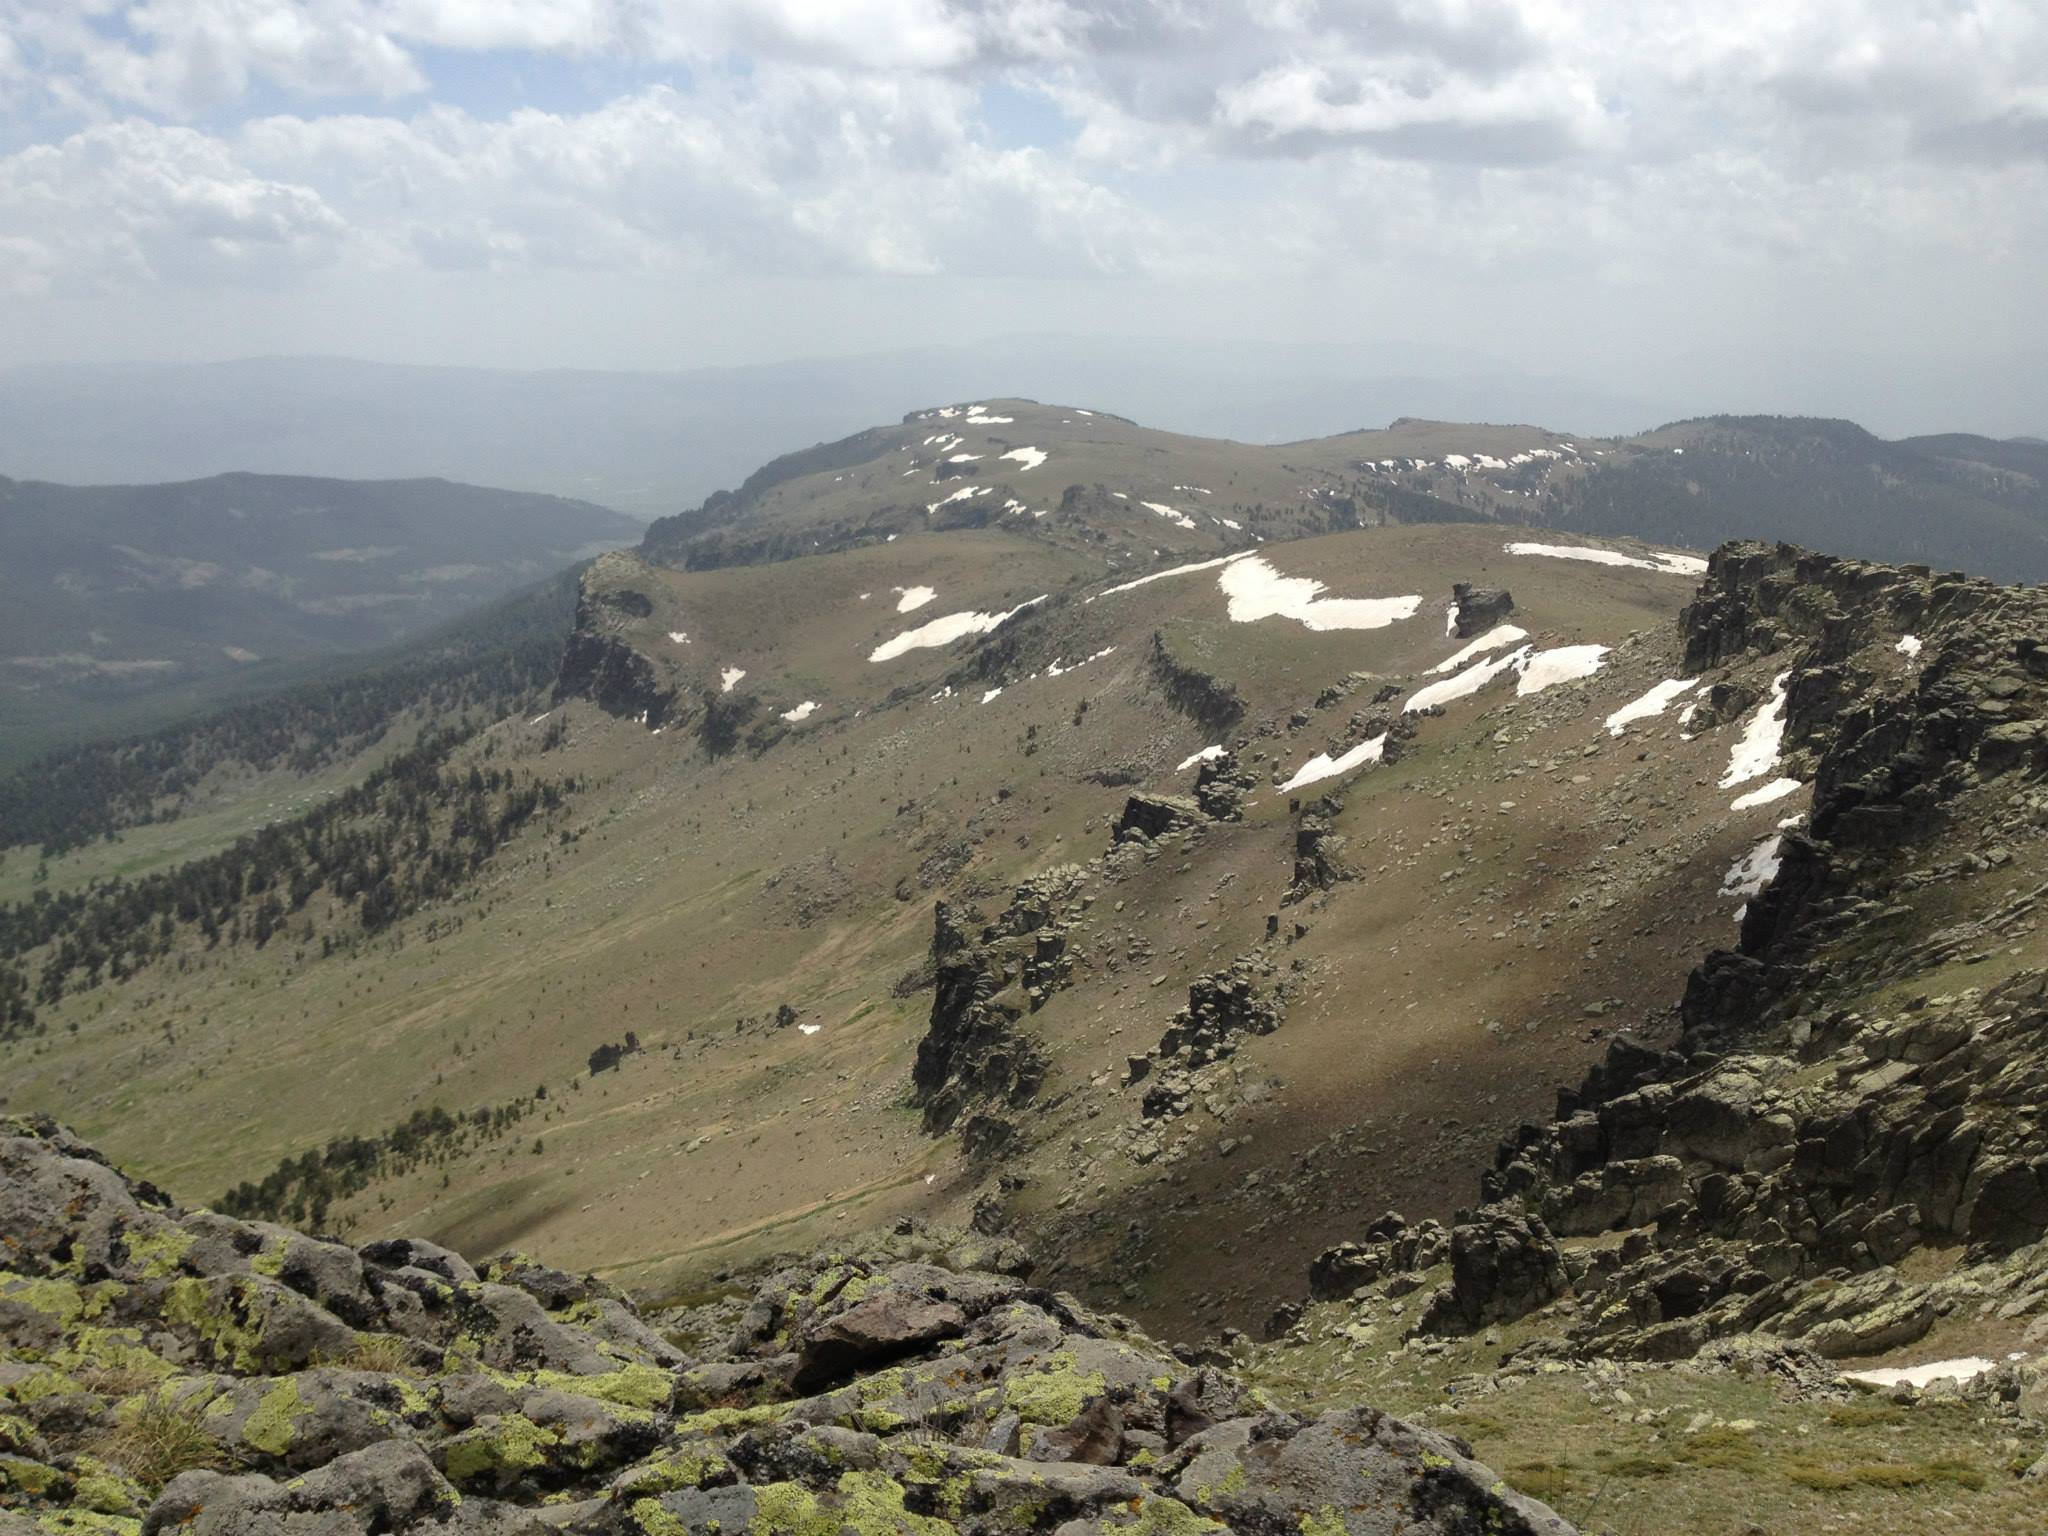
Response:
column 163, row 1439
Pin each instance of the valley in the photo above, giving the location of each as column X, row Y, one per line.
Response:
column 1149, row 862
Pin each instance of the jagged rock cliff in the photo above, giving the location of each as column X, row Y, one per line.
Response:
column 164, row 1370
column 1856, row 1087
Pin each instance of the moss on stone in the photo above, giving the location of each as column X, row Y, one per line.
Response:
column 189, row 1303
column 1232, row 1482
column 1327, row 1521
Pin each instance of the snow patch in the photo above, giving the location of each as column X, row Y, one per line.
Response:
column 1207, row 754
column 1756, row 751
column 1909, row 645
column 1173, row 515
column 912, row 598
column 1492, row 640
column 1030, row 458
column 1535, row 671
column 803, row 711
column 679, row 637
column 1257, row 591
column 1748, row 875
column 1324, row 766
column 965, row 493
column 1777, row 789
column 991, row 694
column 729, row 678
column 1469, row 681
column 1960, row 1369
column 1651, row 704
column 1670, row 563
column 1559, row 664
column 1175, row 570
column 944, row 631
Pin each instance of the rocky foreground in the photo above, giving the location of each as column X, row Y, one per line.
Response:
column 170, row 1370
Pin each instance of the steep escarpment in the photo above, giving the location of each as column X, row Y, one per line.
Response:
column 170, row 1370
column 1843, row 1145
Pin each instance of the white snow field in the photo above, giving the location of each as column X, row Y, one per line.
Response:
column 1763, row 737
column 944, row 631
column 1650, row 705
column 1670, row 563
column 1257, row 591
column 1324, row 766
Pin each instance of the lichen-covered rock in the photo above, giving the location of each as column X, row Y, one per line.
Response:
column 211, row 1389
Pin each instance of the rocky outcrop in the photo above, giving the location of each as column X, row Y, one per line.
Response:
column 987, row 978
column 1190, row 688
column 599, row 661
column 1479, row 609
column 1223, row 1007
column 1153, row 816
column 170, row 1371
column 1319, row 862
column 1838, row 1099
column 1221, row 783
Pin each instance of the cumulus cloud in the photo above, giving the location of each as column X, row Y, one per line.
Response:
column 1258, row 139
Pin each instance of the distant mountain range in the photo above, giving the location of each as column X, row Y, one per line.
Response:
column 114, row 596
column 654, row 443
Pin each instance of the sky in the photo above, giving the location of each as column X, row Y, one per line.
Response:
column 1608, row 190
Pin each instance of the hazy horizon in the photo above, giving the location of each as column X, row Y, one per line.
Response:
column 1837, row 209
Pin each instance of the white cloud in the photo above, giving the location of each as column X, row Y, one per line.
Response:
column 1260, row 143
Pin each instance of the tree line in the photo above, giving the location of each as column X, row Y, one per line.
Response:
column 416, row 830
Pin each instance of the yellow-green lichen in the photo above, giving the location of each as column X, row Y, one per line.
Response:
column 159, row 1253
column 113, row 1349
column 86, row 1522
column 680, row 1467
column 1327, row 1521
column 868, row 1504
column 189, row 1303
column 269, row 1428
column 1233, row 1482
column 719, row 1420
column 1054, row 1395
column 105, row 1490
column 18, row 1474
column 68, row 1303
column 1161, row 1516
column 514, row 1444
column 653, row 1520
column 630, row 1386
